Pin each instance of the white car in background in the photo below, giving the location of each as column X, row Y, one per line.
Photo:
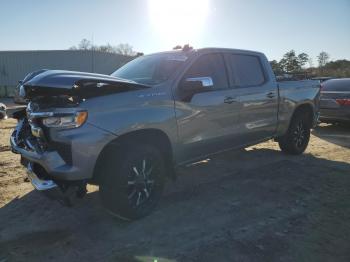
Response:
column 3, row 114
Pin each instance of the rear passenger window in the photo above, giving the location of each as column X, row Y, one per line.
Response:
column 247, row 70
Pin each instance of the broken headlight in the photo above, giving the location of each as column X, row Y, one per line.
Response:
column 67, row 120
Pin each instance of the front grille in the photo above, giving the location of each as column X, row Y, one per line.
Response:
column 23, row 138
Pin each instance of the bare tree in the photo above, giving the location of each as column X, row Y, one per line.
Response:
column 310, row 62
column 106, row 48
column 85, row 44
column 323, row 59
column 124, row 49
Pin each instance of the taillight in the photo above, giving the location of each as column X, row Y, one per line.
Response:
column 343, row 101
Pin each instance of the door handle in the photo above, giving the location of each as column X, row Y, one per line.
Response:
column 270, row 95
column 229, row 100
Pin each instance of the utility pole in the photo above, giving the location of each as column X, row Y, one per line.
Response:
column 92, row 54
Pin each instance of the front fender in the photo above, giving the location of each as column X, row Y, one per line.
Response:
column 132, row 111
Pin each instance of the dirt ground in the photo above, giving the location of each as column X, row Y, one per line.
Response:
column 256, row 204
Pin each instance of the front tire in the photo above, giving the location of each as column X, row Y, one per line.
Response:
column 296, row 140
column 134, row 182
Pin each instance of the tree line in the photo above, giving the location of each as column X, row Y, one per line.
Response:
column 122, row 49
column 291, row 63
column 302, row 64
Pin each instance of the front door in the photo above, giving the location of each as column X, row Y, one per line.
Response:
column 205, row 118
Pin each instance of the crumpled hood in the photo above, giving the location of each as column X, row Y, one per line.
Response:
column 59, row 82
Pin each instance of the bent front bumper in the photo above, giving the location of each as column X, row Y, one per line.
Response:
column 85, row 144
column 65, row 193
column 39, row 184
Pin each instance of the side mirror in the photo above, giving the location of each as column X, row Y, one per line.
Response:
column 197, row 83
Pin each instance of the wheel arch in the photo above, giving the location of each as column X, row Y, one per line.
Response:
column 287, row 141
column 151, row 136
column 304, row 108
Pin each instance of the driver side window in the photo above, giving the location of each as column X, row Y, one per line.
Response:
column 210, row 65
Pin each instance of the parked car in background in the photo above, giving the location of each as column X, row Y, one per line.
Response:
column 335, row 101
column 126, row 132
column 3, row 109
column 322, row 78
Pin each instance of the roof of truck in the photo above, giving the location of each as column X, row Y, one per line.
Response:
column 220, row 49
column 209, row 50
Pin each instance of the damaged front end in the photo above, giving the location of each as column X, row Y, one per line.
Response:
column 32, row 139
column 53, row 121
column 64, row 192
column 77, row 85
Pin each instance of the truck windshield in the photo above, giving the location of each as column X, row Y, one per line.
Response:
column 151, row 69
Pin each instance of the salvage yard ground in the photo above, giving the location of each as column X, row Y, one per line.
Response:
column 255, row 204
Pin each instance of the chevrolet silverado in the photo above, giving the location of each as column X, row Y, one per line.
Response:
column 128, row 131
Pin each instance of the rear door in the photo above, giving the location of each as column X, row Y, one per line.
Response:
column 257, row 96
column 205, row 119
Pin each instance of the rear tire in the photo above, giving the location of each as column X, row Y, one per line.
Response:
column 296, row 140
column 133, row 183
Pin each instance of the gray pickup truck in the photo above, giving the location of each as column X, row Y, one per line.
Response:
column 128, row 131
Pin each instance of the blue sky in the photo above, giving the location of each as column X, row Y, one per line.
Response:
column 270, row 26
